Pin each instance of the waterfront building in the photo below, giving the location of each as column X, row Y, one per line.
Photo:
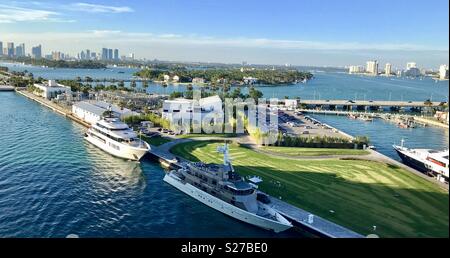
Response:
column 20, row 50
column 88, row 54
column 443, row 72
column 355, row 69
column 116, row 54
column 10, row 49
column 166, row 78
column 52, row 89
column 388, row 69
column 36, row 52
column 131, row 56
column 372, row 67
column 110, row 54
column 92, row 111
column 1, row 48
column 181, row 111
column 104, row 53
column 56, row 55
column 175, row 78
column 198, row 80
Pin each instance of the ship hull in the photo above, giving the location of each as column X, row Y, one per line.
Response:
column 124, row 152
column 227, row 208
column 412, row 162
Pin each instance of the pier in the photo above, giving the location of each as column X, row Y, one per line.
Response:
column 6, row 88
column 370, row 103
column 311, row 222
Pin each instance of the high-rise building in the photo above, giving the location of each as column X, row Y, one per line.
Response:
column 56, row 55
column 443, row 72
column 131, row 56
column 36, row 52
column 10, row 49
column 388, row 69
column 104, row 54
column 93, row 55
column 88, row 54
column 411, row 65
column 372, row 67
column 110, row 54
column 1, row 48
column 355, row 69
column 116, row 54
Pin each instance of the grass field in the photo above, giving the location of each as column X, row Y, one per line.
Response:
column 156, row 140
column 362, row 194
column 294, row 151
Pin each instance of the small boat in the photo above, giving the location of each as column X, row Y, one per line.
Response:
column 351, row 116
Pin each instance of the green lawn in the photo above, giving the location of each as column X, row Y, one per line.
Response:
column 361, row 193
column 294, row 151
column 156, row 140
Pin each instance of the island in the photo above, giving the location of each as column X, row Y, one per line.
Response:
column 80, row 64
column 233, row 76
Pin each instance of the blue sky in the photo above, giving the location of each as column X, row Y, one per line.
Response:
column 303, row 32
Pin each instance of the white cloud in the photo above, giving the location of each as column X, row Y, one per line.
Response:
column 96, row 8
column 9, row 14
column 116, row 36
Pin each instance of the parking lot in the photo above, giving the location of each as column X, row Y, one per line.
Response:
column 297, row 124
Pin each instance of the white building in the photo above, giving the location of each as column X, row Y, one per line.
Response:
column 52, row 89
column 198, row 80
column 372, row 67
column 291, row 104
column 92, row 111
column 355, row 69
column 443, row 72
column 181, row 111
column 175, row 78
column 166, row 78
column 388, row 69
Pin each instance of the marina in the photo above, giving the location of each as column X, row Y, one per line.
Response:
column 303, row 220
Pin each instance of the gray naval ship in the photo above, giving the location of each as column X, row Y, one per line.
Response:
column 221, row 188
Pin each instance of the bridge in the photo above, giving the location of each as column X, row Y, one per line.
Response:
column 375, row 103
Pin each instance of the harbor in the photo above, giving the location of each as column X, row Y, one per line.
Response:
column 304, row 220
column 161, row 154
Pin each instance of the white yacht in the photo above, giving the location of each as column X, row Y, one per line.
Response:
column 431, row 162
column 219, row 187
column 116, row 138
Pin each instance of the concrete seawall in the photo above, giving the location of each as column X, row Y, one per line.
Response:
column 58, row 109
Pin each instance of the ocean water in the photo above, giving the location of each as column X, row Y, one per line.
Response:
column 383, row 134
column 53, row 183
column 325, row 85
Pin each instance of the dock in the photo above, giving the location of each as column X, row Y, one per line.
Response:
column 299, row 217
column 316, row 225
column 58, row 109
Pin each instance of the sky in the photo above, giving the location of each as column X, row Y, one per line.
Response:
column 297, row 32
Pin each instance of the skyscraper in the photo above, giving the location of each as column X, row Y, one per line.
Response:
column 10, row 49
column 443, row 72
column 88, row 54
column 372, row 67
column 388, row 69
column 104, row 54
column 1, row 48
column 116, row 54
column 36, row 52
column 110, row 54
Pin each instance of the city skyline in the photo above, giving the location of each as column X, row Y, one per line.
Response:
column 171, row 30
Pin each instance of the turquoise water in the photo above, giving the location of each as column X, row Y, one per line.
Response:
column 53, row 183
column 325, row 85
column 383, row 134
